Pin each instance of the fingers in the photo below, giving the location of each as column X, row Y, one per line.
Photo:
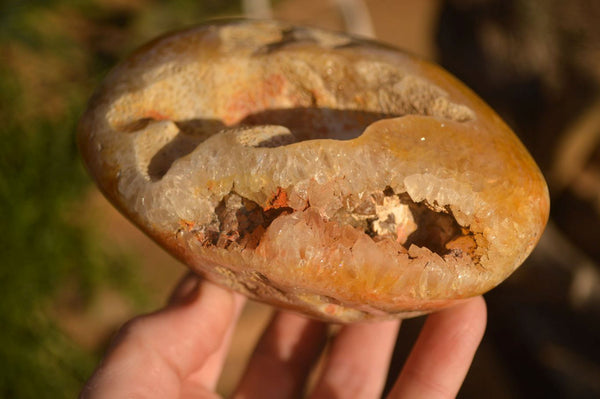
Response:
column 152, row 354
column 443, row 352
column 356, row 367
column 358, row 363
column 283, row 358
column 179, row 352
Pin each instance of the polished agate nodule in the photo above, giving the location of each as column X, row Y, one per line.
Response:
column 314, row 171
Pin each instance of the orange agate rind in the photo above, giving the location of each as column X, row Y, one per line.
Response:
column 314, row 171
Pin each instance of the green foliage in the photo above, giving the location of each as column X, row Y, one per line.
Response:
column 40, row 176
column 57, row 51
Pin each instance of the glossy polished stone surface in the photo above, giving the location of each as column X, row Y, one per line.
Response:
column 314, row 171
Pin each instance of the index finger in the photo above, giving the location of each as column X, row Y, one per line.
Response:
column 442, row 355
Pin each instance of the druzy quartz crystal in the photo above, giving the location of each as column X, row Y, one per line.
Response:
column 314, row 171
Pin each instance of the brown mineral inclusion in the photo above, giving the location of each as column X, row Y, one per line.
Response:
column 314, row 171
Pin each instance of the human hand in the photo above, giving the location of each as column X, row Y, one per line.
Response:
column 179, row 351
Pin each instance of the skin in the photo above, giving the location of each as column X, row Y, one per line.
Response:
column 179, row 351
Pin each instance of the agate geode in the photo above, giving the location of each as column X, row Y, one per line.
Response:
column 314, row 171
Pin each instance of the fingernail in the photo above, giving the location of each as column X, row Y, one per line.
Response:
column 186, row 291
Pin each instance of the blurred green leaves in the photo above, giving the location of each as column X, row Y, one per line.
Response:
column 55, row 53
column 41, row 176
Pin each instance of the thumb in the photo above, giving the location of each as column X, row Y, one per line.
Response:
column 152, row 354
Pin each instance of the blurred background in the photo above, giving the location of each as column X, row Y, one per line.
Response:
column 73, row 269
